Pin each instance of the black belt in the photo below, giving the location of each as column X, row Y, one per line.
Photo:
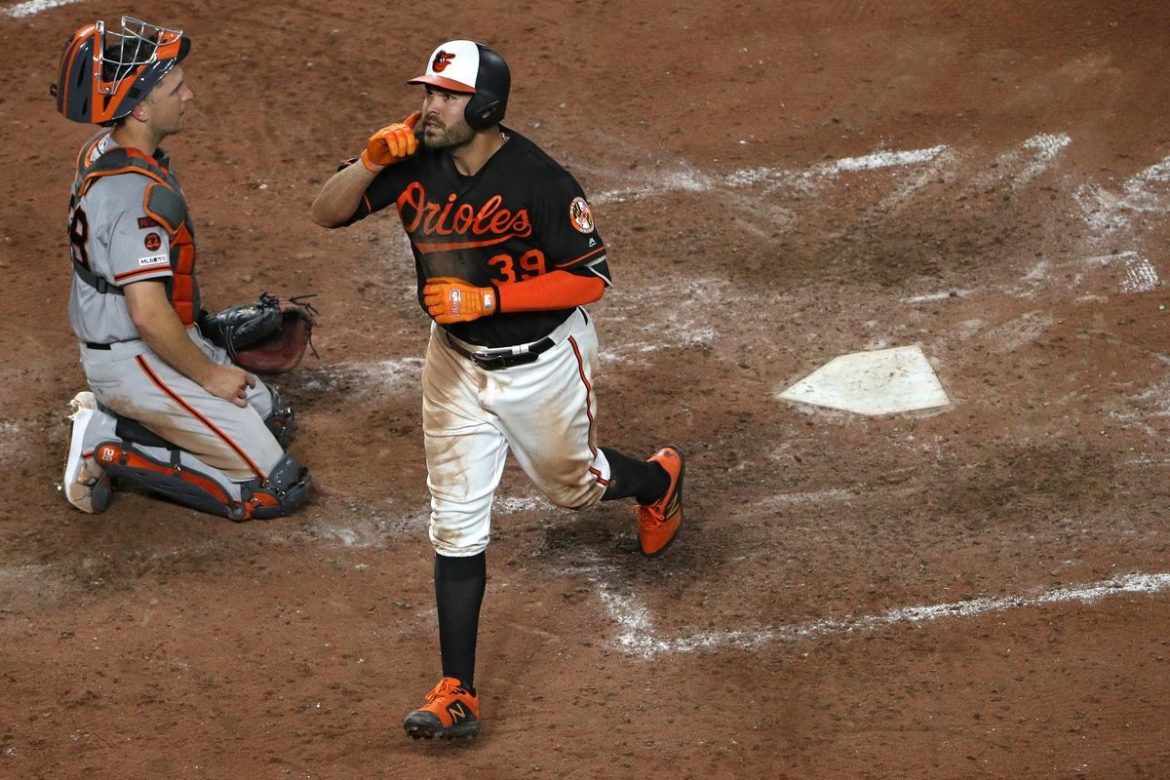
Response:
column 96, row 345
column 502, row 357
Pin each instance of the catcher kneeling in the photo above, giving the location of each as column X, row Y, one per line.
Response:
column 168, row 411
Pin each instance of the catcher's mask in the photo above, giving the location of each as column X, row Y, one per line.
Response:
column 471, row 68
column 105, row 74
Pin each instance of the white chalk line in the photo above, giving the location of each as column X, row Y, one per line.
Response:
column 1107, row 212
column 907, row 188
column 1041, row 151
column 936, row 296
column 1047, row 147
column 1035, row 155
column 690, row 180
column 1103, row 211
column 1110, row 216
column 33, row 7
column 637, row 635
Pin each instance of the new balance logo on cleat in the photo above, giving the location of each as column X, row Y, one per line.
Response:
column 451, row 712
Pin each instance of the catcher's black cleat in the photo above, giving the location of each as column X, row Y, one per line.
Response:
column 451, row 712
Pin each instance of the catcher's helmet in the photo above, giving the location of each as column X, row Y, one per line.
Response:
column 472, row 68
column 104, row 75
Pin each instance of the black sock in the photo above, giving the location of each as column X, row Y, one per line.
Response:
column 459, row 587
column 643, row 479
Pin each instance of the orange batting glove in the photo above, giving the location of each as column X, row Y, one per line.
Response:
column 391, row 144
column 449, row 299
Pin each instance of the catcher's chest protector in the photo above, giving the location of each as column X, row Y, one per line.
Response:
column 164, row 204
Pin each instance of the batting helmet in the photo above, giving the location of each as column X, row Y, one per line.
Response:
column 471, row 68
column 104, row 75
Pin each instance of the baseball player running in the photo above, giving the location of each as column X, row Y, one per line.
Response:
column 507, row 255
column 167, row 412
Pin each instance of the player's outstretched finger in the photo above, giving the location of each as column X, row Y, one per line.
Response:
column 409, row 140
column 412, row 120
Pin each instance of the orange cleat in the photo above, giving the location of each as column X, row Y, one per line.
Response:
column 658, row 522
column 451, row 712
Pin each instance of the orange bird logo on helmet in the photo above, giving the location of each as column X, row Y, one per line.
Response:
column 442, row 60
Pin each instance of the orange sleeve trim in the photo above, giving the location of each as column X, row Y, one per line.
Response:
column 161, row 270
column 547, row 292
column 582, row 258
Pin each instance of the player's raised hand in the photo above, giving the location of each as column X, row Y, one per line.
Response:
column 391, row 144
column 449, row 299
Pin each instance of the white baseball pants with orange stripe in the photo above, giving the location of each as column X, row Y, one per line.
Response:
column 543, row 412
column 132, row 381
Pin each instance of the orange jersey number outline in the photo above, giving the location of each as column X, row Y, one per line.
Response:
column 532, row 264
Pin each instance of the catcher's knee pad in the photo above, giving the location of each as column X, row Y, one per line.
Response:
column 282, row 421
column 286, row 489
column 169, row 480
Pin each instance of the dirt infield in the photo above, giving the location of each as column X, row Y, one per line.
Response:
column 982, row 590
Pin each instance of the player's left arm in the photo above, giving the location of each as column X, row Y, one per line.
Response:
column 449, row 299
column 573, row 260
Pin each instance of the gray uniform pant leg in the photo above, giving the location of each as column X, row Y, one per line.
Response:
column 130, row 380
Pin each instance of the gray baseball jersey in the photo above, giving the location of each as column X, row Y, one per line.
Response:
column 113, row 235
column 128, row 224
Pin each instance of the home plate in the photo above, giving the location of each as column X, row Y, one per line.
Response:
column 883, row 381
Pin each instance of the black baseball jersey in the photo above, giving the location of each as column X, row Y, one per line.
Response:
column 521, row 216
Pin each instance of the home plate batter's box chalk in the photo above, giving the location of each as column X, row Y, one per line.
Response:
column 884, row 381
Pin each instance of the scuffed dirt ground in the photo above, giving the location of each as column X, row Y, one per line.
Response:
column 742, row 163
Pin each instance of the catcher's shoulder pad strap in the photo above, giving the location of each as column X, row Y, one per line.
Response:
column 163, row 200
column 115, row 161
column 166, row 205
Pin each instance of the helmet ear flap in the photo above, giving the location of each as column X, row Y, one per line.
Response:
column 492, row 84
column 483, row 116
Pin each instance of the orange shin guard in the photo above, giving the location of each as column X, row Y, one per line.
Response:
column 170, row 481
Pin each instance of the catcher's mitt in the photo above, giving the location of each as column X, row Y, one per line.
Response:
column 267, row 336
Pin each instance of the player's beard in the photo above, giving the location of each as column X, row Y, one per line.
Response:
column 442, row 137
